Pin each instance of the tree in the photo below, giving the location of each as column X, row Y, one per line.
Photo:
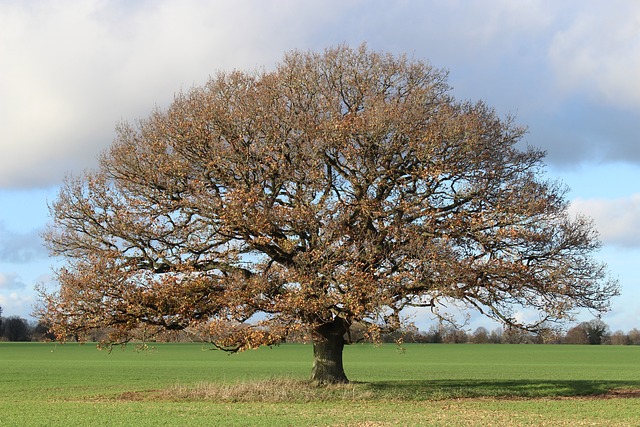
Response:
column 41, row 333
column 480, row 336
column 344, row 186
column 619, row 338
column 576, row 335
column 513, row 335
column 434, row 334
column 495, row 336
column 453, row 335
column 593, row 332
column 634, row 336
column 15, row 328
column 596, row 330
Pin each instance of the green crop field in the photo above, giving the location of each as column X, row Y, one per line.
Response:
column 447, row 385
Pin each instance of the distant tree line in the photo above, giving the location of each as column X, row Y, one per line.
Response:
column 595, row 332
column 16, row 328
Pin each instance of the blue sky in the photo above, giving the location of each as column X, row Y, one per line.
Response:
column 71, row 70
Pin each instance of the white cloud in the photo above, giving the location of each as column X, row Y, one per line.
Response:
column 10, row 282
column 20, row 247
column 71, row 70
column 16, row 298
column 16, row 304
column 599, row 52
column 617, row 220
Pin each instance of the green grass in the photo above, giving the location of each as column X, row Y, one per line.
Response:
column 188, row 384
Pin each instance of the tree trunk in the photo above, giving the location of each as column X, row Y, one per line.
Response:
column 328, row 343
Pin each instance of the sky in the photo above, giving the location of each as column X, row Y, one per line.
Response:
column 70, row 71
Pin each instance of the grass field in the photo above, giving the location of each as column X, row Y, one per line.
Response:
column 447, row 385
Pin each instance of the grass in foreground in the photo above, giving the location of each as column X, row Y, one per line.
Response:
column 423, row 385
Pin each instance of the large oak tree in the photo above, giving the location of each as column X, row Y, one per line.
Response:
column 344, row 186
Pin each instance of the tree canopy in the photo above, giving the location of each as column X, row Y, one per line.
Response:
column 342, row 186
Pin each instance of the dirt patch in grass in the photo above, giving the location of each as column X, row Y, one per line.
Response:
column 609, row 394
column 136, row 396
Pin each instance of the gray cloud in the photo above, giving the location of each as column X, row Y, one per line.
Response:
column 71, row 70
column 20, row 247
column 577, row 131
column 599, row 53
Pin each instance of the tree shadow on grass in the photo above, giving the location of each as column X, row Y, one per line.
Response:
column 453, row 389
